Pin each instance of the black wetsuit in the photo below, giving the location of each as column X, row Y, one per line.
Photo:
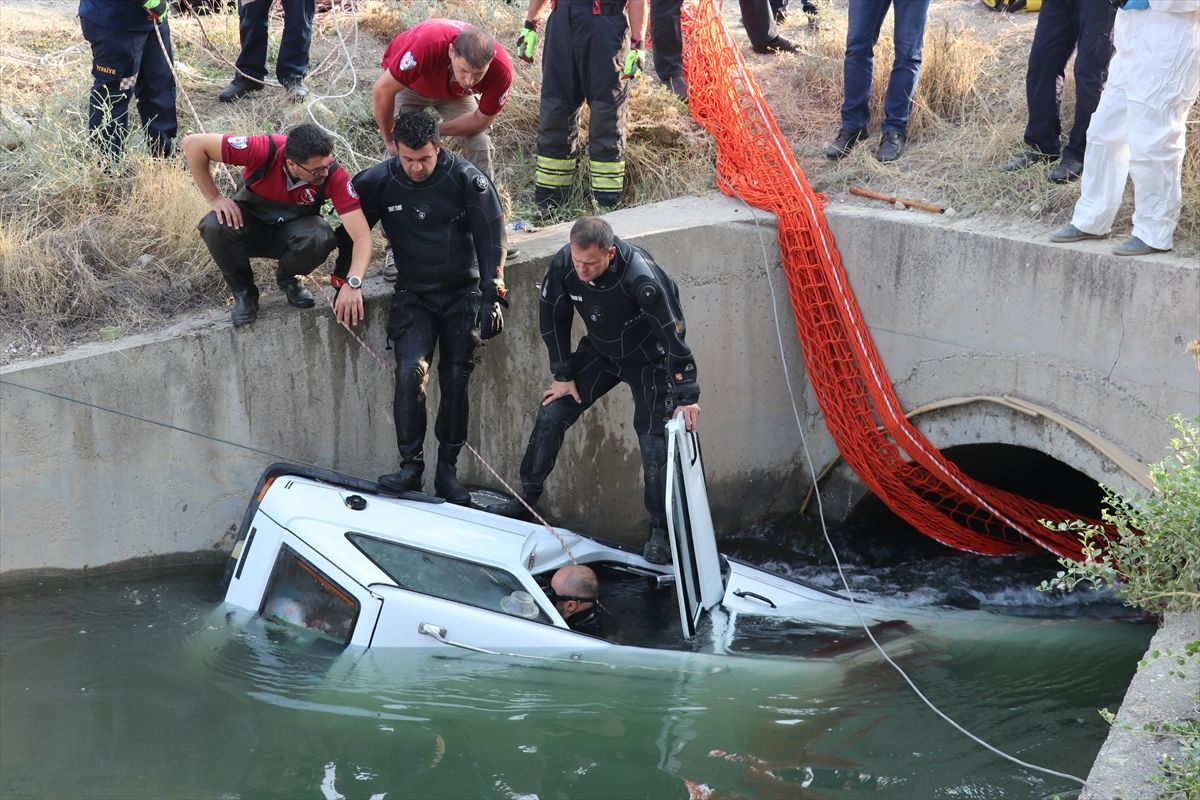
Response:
column 445, row 233
column 635, row 335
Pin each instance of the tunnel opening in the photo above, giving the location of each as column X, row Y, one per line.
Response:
column 874, row 531
column 886, row 557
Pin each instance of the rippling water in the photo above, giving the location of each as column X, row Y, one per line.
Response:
column 144, row 688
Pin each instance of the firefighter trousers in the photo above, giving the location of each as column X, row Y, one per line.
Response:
column 581, row 63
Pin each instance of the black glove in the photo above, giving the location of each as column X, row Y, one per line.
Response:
column 490, row 318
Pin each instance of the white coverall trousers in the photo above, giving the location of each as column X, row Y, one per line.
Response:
column 1138, row 128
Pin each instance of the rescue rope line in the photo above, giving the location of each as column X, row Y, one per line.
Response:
column 391, row 370
column 166, row 425
column 857, row 400
column 829, row 541
column 348, row 49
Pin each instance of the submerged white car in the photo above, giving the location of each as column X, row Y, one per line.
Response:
column 331, row 554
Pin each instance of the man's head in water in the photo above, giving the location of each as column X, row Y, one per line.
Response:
column 574, row 588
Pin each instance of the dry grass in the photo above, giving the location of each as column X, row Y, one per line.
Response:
column 83, row 248
column 968, row 119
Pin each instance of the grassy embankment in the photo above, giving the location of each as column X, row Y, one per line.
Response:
column 85, row 247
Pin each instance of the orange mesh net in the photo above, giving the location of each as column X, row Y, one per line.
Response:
column 857, row 399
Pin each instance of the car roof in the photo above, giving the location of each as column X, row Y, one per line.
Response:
column 319, row 513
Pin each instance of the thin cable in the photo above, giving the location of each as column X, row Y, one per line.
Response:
column 350, row 51
column 179, row 85
column 512, row 492
column 829, row 542
column 166, row 425
column 528, row 507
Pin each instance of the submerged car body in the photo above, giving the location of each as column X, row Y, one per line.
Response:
column 331, row 554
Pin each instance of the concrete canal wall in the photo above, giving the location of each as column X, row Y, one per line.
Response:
column 1067, row 350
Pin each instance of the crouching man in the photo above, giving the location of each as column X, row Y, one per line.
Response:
column 276, row 213
column 635, row 331
column 442, row 216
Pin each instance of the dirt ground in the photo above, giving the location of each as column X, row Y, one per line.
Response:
column 952, row 159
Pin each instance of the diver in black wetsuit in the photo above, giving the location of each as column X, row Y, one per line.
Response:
column 443, row 219
column 635, row 335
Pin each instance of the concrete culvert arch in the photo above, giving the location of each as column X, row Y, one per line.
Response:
column 1013, row 445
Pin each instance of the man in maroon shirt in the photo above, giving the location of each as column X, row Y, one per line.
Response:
column 276, row 213
column 443, row 64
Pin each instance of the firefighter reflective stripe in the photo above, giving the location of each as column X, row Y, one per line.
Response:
column 607, row 176
column 554, row 173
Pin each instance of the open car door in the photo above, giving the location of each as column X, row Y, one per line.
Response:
column 693, row 541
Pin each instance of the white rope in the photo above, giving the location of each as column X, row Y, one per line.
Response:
column 825, row 530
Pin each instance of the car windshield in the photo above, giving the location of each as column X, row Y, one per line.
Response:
column 438, row 575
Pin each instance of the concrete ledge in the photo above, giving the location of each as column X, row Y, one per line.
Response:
column 954, row 312
column 1129, row 759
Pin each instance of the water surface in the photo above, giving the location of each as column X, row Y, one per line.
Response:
column 131, row 688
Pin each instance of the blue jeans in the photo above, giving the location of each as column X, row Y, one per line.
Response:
column 865, row 21
column 292, row 64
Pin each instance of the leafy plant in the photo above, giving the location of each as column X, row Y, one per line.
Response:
column 1149, row 554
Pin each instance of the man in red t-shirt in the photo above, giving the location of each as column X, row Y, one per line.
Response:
column 276, row 213
column 444, row 64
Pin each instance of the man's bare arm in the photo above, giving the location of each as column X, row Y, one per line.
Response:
column 383, row 106
column 201, row 150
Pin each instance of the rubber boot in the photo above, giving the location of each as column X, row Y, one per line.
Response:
column 245, row 306
column 445, row 480
column 515, row 509
column 298, row 295
column 406, row 479
column 658, row 548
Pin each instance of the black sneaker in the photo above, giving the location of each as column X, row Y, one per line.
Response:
column 297, row 92
column 389, row 265
column 1065, row 171
column 1024, row 160
column 844, row 143
column 678, row 87
column 237, row 89
column 776, row 45
column 514, row 509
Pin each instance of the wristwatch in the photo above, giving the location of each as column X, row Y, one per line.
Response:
column 354, row 282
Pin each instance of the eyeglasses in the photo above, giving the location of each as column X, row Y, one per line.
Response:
column 555, row 597
column 319, row 172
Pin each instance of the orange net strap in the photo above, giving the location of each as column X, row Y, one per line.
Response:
column 857, row 399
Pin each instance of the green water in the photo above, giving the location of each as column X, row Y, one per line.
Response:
column 138, row 688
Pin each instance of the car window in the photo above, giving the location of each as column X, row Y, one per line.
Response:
column 303, row 596
column 450, row 578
